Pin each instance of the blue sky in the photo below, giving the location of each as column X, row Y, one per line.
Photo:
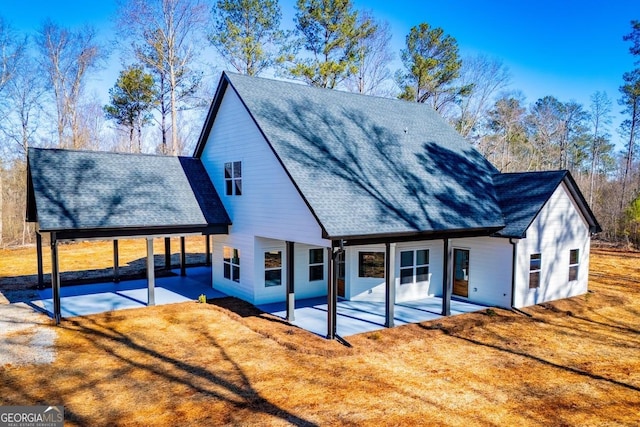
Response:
column 565, row 48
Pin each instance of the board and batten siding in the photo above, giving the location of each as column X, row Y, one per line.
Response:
column 270, row 206
column 557, row 229
column 490, row 266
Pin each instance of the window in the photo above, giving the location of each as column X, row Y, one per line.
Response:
column 231, row 264
column 414, row 266
column 371, row 264
column 272, row 268
column 316, row 264
column 233, row 178
column 574, row 263
column 535, row 265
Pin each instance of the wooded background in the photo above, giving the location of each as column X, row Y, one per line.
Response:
column 160, row 99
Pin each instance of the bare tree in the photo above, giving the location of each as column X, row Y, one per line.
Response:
column 600, row 118
column 164, row 35
column 24, row 95
column 631, row 101
column 373, row 75
column 12, row 49
column 486, row 77
column 66, row 57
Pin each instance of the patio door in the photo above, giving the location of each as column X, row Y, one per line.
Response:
column 461, row 272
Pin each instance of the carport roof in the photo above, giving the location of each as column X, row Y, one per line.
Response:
column 100, row 194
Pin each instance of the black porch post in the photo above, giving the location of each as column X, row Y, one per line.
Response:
column 116, row 263
column 55, row 279
column 39, row 256
column 332, row 295
column 183, row 257
column 446, row 280
column 291, row 297
column 207, row 257
column 151, row 273
column 167, row 253
column 390, row 283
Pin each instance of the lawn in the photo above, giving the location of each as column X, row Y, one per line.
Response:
column 570, row 362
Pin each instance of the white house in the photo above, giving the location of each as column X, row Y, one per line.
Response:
column 311, row 192
column 365, row 198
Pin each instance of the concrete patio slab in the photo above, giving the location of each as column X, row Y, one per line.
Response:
column 356, row 317
column 353, row 317
column 81, row 300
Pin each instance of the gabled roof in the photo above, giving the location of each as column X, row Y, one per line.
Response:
column 523, row 195
column 101, row 194
column 366, row 165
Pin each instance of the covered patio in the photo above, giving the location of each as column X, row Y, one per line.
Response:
column 353, row 317
column 356, row 317
column 82, row 300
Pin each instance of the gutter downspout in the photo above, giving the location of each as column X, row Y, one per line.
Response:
column 513, row 268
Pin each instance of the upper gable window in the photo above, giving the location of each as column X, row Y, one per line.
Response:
column 233, row 178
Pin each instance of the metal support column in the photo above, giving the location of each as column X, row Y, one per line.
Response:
column 39, row 260
column 446, row 280
column 151, row 274
column 116, row 262
column 291, row 298
column 207, row 257
column 390, row 284
column 55, row 279
column 183, row 257
column 332, row 294
column 167, row 253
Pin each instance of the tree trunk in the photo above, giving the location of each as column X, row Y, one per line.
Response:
column 629, row 162
column 1, row 206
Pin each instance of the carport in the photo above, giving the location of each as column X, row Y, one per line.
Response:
column 82, row 195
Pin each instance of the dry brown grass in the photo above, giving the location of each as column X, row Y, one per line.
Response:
column 571, row 362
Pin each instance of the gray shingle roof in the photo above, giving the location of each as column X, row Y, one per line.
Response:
column 368, row 165
column 522, row 196
column 79, row 190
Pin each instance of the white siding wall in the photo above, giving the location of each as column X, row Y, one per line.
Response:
column 432, row 287
column 558, row 228
column 373, row 289
column 303, row 287
column 269, row 206
column 362, row 288
column 244, row 289
column 490, row 265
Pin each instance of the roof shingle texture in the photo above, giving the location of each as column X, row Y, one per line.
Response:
column 77, row 190
column 522, row 196
column 369, row 165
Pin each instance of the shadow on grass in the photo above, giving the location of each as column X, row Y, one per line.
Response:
column 239, row 394
column 538, row 359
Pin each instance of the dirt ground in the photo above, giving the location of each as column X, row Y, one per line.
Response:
column 573, row 362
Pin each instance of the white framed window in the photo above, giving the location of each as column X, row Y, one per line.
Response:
column 231, row 263
column 414, row 266
column 574, row 264
column 371, row 264
column 233, row 178
column 272, row 268
column 316, row 264
column 535, row 266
